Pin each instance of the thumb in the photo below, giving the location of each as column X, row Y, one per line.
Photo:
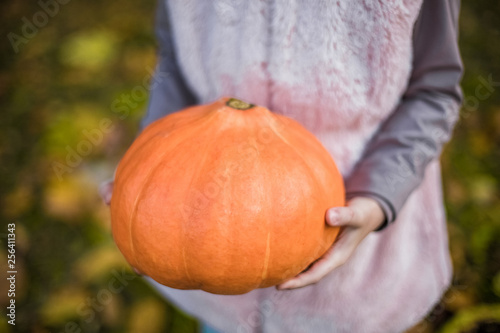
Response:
column 106, row 191
column 341, row 216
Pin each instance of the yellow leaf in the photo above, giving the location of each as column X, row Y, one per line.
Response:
column 148, row 316
column 91, row 50
column 99, row 263
column 62, row 306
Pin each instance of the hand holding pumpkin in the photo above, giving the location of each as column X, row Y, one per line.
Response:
column 361, row 216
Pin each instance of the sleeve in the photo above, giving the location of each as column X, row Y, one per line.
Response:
column 395, row 159
column 168, row 90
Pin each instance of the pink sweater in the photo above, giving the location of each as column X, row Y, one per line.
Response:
column 340, row 68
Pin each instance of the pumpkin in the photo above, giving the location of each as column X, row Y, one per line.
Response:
column 226, row 197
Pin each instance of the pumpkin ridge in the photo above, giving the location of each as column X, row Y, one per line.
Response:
column 267, row 256
column 125, row 175
column 161, row 134
column 310, row 171
column 184, row 260
column 266, row 259
column 200, row 167
column 148, row 177
column 158, row 133
column 262, row 165
column 146, row 183
column 137, row 199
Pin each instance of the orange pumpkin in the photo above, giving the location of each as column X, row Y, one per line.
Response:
column 226, row 197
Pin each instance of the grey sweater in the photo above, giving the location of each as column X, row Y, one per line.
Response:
column 395, row 159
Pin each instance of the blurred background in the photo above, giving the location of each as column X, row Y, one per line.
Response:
column 73, row 86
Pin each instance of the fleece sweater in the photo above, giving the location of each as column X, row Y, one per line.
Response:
column 348, row 71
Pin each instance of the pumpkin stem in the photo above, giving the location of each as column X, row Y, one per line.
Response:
column 238, row 105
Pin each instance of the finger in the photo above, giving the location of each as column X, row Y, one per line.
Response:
column 336, row 256
column 106, row 191
column 315, row 273
column 343, row 216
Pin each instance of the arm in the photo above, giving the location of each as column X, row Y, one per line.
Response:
column 169, row 92
column 394, row 161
